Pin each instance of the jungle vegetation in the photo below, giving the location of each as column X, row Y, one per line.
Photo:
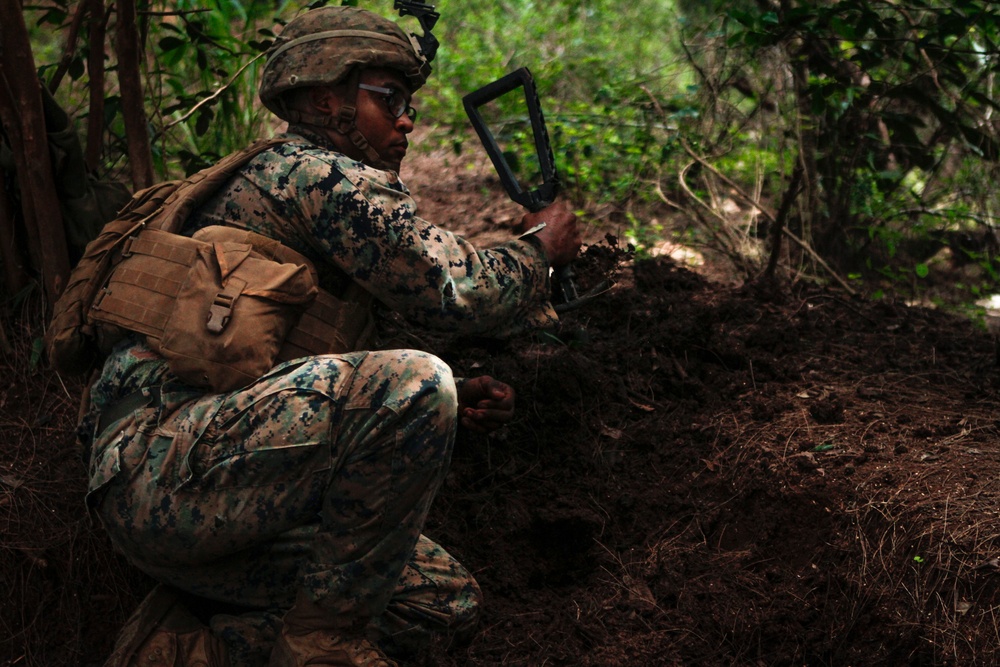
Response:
column 845, row 141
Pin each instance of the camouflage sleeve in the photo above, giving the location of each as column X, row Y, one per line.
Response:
column 365, row 222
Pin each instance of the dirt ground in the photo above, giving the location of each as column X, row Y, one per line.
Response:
column 701, row 473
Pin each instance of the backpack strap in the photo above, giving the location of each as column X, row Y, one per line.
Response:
column 198, row 187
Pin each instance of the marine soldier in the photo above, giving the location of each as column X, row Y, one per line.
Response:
column 293, row 507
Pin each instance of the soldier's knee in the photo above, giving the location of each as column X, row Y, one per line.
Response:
column 436, row 380
column 466, row 611
column 417, row 378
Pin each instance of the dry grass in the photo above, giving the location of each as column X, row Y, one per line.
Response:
column 67, row 589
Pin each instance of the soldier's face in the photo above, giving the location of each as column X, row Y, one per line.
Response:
column 376, row 115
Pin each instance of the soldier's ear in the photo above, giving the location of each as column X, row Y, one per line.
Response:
column 325, row 100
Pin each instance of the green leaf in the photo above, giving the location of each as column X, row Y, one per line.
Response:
column 37, row 347
column 171, row 43
column 75, row 69
column 921, row 270
column 204, row 119
column 742, row 17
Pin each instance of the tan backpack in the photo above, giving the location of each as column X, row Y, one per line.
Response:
column 222, row 306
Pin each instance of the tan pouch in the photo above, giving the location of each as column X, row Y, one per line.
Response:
column 233, row 312
column 75, row 340
column 225, row 305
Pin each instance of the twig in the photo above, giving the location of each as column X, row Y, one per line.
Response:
column 819, row 260
column 176, row 12
column 725, row 179
column 770, row 217
column 211, row 97
column 70, row 47
column 727, row 244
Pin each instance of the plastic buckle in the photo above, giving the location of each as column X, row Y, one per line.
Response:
column 220, row 312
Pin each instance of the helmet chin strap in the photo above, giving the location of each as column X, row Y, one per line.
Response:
column 344, row 122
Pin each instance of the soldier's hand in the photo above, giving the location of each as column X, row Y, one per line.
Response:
column 560, row 237
column 485, row 404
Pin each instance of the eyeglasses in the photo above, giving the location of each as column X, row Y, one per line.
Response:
column 394, row 101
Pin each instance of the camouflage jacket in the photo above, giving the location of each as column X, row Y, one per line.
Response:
column 359, row 224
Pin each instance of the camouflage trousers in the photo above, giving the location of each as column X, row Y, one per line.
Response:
column 316, row 478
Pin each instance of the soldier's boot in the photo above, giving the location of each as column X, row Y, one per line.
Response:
column 325, row 648
column 163, row 633
column 308, row 638
column 249, row 636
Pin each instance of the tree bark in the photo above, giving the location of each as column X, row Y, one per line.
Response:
column 95, row 69
column 24, row 122
column 127, row 45
column 781, row 217
column 15, row 272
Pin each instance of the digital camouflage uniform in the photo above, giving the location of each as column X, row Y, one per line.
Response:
column 319, row 476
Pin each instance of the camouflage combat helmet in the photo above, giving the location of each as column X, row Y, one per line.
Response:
column 323, row 47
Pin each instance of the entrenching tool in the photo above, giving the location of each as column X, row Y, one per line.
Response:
column 544, row 192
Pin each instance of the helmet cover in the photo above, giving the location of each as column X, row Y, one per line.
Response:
column 322, row 46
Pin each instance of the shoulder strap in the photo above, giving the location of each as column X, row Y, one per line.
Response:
column 73, row 342
column 198, row 187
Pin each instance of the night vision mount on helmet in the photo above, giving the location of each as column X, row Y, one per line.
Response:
column 428, row 17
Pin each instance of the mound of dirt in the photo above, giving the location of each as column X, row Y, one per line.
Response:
column 750, row 476
column 699, row 474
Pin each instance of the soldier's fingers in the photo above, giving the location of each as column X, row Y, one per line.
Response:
column 492, row 416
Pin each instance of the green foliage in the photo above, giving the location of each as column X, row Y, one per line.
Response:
column 895, row 95
column 887, row 108
column 593, row 82
column 596, row 86
column 199, row 77
column 205, row 63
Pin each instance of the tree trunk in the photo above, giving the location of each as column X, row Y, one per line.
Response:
column 24, row 122
column 15, row 273
column 95, row 69
column 127, row 45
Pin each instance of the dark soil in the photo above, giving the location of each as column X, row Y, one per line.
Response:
column 700, row 474
column 735, row 476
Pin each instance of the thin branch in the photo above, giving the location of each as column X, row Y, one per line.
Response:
column 726, row 245
column 779, row 224
column 133, row 112
column 70, row 48
column 176, row 12
column 725, row 179
column 210, row 98
column 771, row 219
column 819, row 260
